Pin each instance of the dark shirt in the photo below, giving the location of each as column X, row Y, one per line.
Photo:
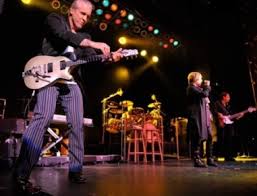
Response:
column 57, row 36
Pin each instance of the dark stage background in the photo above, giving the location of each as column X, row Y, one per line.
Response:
column 212, row 35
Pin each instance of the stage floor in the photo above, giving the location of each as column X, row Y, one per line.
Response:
column 173, row 177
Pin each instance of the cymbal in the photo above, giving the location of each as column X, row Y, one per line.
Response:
column 154, row 105
column 126, row 103
column 112, row 104
column 115, row 111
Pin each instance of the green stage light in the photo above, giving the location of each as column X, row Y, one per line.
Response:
column 156, row 31
column 106, row 3
column 175, row 43
column 125, row 25
column 99, row 12
column 131, row 17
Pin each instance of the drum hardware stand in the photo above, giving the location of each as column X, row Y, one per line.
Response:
column 123, row 138
column 105, row 110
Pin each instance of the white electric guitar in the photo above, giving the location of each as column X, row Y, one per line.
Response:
column 41, row 71
column 229, row 119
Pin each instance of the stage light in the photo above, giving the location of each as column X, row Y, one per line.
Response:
column 123, row 13
column 114, row 7
column 64, row 9
column 131, row 17
column 175, row 43
column 171, row 40
column 103, row 26
column 143, row 53
column 56, row 4
column 160, row 43
column 138, row 21
column 99, row 12
column 150, row 28
column 117, row 21
column 106, row 3
column 26, row 1
column 125, row 25
column 156, row 31
column 136, row 29
column 143, row 24
column 165, row 46
column 122, row 40
column 107, row 16
column 155, row 59
column 143, row 33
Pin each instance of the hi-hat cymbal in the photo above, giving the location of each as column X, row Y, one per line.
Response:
column 126, row 103
column 112, row 104
column 115, row 111
column 154, row 105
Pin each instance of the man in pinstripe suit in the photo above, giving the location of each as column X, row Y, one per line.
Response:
column 62, row 34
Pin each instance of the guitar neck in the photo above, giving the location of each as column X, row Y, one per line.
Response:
column 90, row 59
column 237, row 114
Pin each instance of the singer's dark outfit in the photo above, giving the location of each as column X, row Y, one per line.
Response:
column 198, row 127
column 57, row 37
column 225, row 134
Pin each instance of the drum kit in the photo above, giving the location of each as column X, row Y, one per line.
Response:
column 123, row 116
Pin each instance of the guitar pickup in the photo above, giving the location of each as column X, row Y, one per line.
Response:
column 50, row 67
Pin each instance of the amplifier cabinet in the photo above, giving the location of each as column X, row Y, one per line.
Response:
column 12, row 125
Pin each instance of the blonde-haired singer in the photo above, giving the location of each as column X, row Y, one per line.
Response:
column 199, row 127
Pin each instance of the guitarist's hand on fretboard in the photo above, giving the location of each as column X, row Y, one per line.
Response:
column 116, row 55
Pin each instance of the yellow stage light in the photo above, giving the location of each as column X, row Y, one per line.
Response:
column 56, row 4
column 114, row 7
column 122, row 40
column 123, row 13
column 26, row 1
column 155, row 59
column 143, row 53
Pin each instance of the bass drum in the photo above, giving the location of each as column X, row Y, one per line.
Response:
column 113, row 125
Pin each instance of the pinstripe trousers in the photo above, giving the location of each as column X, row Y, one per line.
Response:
column 32, row 140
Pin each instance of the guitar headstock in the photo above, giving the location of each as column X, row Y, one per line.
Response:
column 129, row 52
column 251, row 109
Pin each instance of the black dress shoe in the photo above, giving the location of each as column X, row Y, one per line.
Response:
column 199, row 163
column 77, row 177
column 24, row 187
column 210, row 162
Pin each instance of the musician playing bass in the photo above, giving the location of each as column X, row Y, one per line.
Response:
column 226, row 131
